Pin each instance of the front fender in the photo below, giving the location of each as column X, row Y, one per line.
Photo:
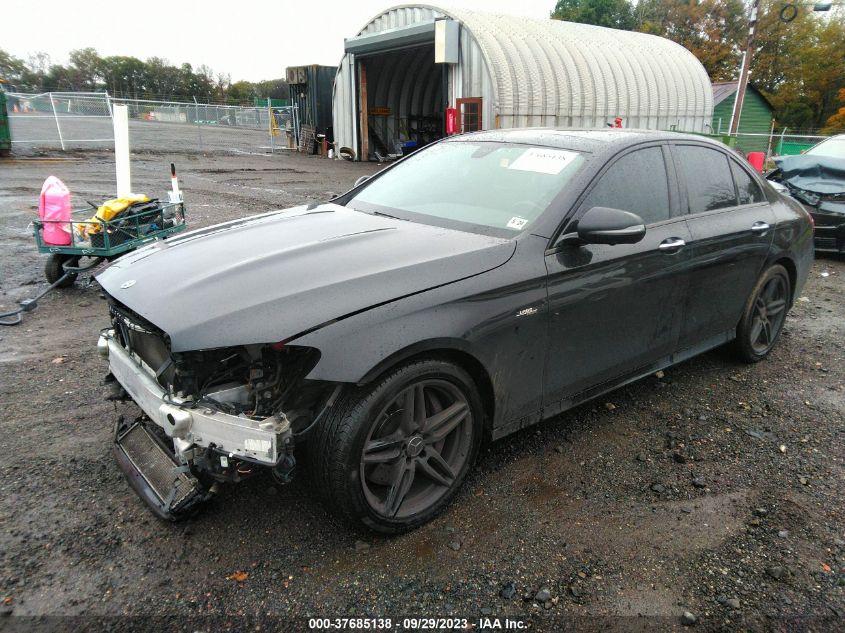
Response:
column 499, row 318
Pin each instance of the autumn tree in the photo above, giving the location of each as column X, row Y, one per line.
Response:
column 710, row 30
column 836, row 122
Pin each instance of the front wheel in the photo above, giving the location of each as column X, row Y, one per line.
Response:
column 392, row 456
column 764, row 315
column 54, row 269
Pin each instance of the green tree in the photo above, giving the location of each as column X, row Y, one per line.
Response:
column 616, row 14
column 11, row 68
column 86, row 68
column 123, row 76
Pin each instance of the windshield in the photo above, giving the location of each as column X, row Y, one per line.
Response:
column 499, row 185
column 834, row 147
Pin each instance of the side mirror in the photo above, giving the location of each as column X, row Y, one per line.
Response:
column 360, row 181
column 779, row 187
column 601, row 225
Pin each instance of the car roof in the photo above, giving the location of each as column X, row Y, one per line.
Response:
column 579, row 139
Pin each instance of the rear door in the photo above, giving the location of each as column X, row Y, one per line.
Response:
column 731, row 224
column 613, row 310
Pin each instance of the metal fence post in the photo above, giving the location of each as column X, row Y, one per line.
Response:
column 270, row 126
column 771, row 134
column 56, row 117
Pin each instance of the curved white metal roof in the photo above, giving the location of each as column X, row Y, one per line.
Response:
column 577, row 72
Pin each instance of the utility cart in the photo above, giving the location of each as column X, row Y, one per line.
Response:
column 97, row 240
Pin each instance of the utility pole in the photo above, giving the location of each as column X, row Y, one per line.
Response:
column 744, row 70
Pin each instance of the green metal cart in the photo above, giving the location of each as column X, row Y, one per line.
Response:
column 100, row 240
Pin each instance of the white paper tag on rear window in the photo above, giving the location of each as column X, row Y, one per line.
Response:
column 543, row 160
column 517, row 222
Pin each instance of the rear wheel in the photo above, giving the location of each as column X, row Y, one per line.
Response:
column 391, row 457
column 764, row 316
column 54, row 269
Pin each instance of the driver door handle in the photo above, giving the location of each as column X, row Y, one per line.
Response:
column 671, row 245
column 760, row 227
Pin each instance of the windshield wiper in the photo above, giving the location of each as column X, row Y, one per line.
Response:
column 386, row 215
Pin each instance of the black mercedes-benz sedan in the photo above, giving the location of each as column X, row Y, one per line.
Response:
column 473, row 288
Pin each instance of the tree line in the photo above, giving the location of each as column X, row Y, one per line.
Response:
column 798, row 65
column 132, row 78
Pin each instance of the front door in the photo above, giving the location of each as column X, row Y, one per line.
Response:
column 732, row 225
column 613, row 310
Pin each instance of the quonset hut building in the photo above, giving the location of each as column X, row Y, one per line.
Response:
column 408, row 65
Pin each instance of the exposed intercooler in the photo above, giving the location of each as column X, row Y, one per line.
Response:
column 170, row 489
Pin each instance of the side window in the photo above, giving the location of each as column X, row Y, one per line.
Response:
column 749, row 191
column 636, row 183
column 710, row 185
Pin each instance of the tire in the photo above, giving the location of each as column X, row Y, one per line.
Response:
column 54, row 269
column 402, row 454
column 764, row 315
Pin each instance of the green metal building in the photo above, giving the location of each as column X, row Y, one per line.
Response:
column 756, row 116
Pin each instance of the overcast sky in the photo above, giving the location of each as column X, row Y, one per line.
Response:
column 249, row 39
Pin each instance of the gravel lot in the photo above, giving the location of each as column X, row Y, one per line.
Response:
column 715, row 489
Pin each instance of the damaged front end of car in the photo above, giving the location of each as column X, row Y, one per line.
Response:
column 818, row 183
column 209, row 416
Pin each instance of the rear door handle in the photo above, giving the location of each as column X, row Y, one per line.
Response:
column 671, row 245
column 760, row 227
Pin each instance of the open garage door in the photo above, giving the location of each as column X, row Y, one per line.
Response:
column 402, row 105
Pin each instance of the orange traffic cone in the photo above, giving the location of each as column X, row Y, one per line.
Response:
column 15, row 108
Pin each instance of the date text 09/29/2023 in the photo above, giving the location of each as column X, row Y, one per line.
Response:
column 417, row 624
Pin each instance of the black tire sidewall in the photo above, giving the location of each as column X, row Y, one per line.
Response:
column 743, row 339
column 54, row 269
column 351, row 499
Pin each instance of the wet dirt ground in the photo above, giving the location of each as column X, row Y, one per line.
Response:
column 716, row 489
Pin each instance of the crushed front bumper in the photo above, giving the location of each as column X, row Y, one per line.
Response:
column 165, row 469
column 194, row 428
column 829, row 219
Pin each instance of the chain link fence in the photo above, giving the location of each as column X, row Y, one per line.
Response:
column 773, row 144
column 59, row 118
column 76, row 120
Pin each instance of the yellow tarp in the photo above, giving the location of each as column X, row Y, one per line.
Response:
column 106, row 212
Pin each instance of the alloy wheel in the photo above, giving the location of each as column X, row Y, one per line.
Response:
column 416, row 448
column 769, row 314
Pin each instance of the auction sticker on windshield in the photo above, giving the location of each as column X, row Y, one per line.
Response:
column 517, row 222
column 543, row 160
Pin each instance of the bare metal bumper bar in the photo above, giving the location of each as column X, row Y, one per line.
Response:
column 254, row 440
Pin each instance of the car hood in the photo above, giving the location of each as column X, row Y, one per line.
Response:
column 817, row 174
column 272, row 277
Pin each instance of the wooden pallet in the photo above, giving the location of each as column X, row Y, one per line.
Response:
column 307, row 137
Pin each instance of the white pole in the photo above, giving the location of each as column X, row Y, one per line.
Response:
column 121, row 151
column 197, row 119
column 56, row 117
column 771, row 134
